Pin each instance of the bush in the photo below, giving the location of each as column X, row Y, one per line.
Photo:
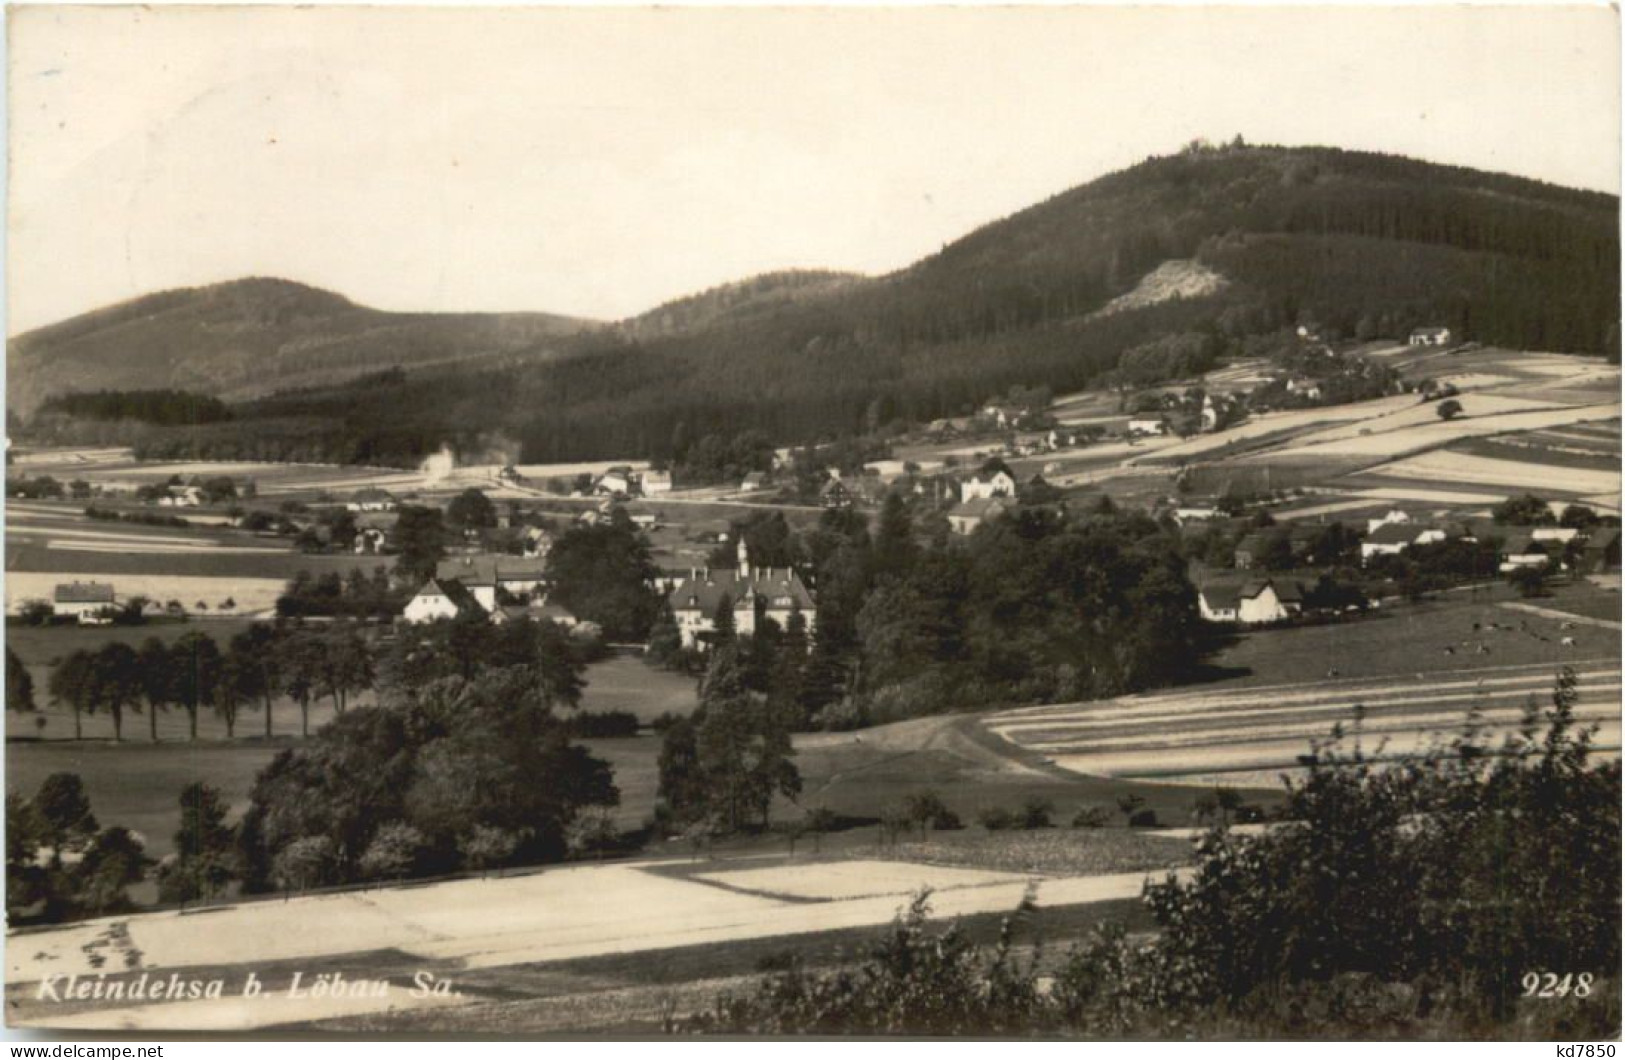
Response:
column 927, row 810
column 1146, row 818
column 996, row 819
column 1091, row 817
column 1035, row 813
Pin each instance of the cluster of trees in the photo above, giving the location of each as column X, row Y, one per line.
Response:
column 38, row 488
column 714, row 458
column 1409, row 901
column 467, row 762
column 722, row 767
column 195, row 674
column 1043, row 605
column 603, row 574
column 353, row 596
column 60, row 862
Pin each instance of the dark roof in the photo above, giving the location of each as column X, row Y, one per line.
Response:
column 1522, row 543
column 372, row 493
column 487, row 569
column 704, row 589
column 1253, row 542
column 1394, row 534
column 1226, row 594
column 985, row 508
column 1602, row 538
column 84, row 593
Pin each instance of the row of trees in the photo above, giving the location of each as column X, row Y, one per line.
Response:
column 195, row 674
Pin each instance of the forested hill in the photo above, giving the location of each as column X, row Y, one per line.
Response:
column 1361, row 244
column 250, row 337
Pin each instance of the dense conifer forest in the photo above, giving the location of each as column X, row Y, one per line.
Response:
column 1362, row 245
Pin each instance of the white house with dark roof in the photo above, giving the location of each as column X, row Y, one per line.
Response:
column 371, row 499
column 89, row 602
column 986, row 485
column 1391, row 539
column 1250, row 602
column 441, row 599
column 753, row 593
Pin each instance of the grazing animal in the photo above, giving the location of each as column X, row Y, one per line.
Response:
column 1568, row 642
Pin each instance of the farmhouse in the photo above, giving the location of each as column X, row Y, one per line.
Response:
column 615, row 482
column 371, row 499
column 440, row 599
column 965, row 518
column 1196, row 513
column 89, row 602
column 1523, row 550
column 1393, row 538
column 656, row 482
column 488, row 576
column 1252, row 602
column 752, row 593
column 752, row 482
column 1147, row 425
column 189, row 497
column 1393, row 515
column 1430, row 337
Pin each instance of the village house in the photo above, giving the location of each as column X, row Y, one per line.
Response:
column 1430, row 337
column 1250, row 602
column 371, row 499
column 615, row 482
column 187, row 497
column 754, row 594
column 989, row 483
column 1195, row 513
column 835, row 494
column 1390, row 539
column 752, row 482
column 1522, row 549
column 1304, row 387
column 489, row 577
column 1147, row 425
column 441, row 599
column 964, row 518
column 654, row 482
column 1560, row 534
column 91, row 603
column 1392, row 516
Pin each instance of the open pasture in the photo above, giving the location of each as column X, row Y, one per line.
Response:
column 1415, row 669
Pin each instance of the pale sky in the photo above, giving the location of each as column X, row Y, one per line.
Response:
column 597, row 163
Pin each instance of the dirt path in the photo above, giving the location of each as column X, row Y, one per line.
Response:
column 1562, row 616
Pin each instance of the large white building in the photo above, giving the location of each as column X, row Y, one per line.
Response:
column 89, row 602
column 753, row 594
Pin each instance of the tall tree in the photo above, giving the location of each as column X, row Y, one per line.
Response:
column 197, row 668
column 19, row 684
column 116, row 679
column 72, row 685
column 420, row 535
column 157, row 668
column 255, row 656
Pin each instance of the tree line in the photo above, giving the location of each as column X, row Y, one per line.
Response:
column 196, row 675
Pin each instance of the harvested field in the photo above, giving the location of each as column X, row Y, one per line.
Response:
column 1461, row 468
